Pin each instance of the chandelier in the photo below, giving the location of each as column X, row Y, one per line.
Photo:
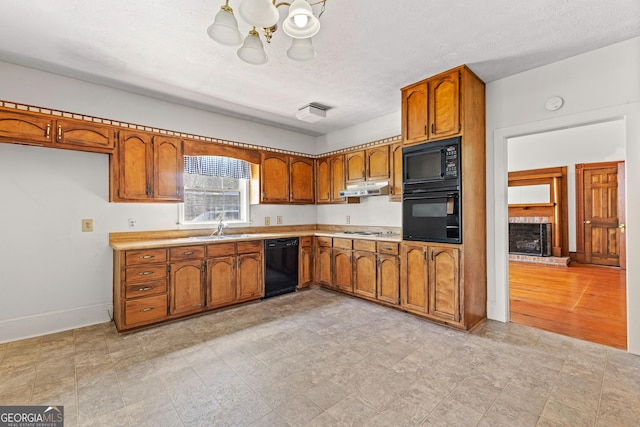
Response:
column 300, row 24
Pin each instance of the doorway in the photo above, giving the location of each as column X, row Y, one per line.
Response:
column 583, row 301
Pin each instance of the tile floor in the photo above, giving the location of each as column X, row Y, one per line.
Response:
column 317, row 358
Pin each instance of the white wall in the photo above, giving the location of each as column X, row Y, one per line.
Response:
column 599, row 142
column 380, row 128
column 597, row 86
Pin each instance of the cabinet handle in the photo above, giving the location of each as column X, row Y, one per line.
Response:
column 147, row 256
column 187, row 253
column 146, row 273
column 47, row 132
column 425, row 129
column 144, row 310
column 146, row 288
column 59, row 133
column 433, row 128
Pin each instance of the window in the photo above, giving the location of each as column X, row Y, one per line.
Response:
column 215, row 188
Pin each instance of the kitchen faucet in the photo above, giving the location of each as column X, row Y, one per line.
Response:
column 220, row 229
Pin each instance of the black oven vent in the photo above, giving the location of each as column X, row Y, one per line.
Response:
column 530, row 238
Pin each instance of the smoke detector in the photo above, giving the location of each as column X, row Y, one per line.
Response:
column 312, row 113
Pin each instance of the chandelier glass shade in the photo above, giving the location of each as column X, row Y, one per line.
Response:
column 300, row 24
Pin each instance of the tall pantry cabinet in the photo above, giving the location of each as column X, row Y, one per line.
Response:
column 448, row 282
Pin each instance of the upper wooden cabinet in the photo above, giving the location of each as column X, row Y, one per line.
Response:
column 86, row 136
column 367, row 165
column 25, row 128
column 330, row 179
column 323, row 181
column 395, row 161
column 147, row 167
column 431, row 109
column 286, row 179
column 338, row 181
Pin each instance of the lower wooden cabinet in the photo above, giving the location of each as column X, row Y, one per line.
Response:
column 186, row 287
column 250, row 283
column 364, row 274
column 388, row 272
column 342, row 261
column 221, row 281
column 324, row 269
column 305, row 262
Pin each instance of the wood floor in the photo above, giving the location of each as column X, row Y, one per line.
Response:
column 581, row 301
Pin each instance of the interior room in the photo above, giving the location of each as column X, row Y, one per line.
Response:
column 212, row 217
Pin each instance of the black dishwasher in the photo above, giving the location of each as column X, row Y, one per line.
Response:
column 280, row 266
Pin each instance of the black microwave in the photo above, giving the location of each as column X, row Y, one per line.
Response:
column 432, row 165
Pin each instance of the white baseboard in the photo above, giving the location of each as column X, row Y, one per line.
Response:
column 54, row 321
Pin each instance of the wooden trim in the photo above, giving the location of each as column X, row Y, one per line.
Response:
column 622, row 214
column 203, row 148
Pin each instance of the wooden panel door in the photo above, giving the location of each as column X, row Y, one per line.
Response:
column 388, row 286
column 337, row 178
column 323, row 266
column 414, row 278
column 343, row 270
column 82, row 135
column 364, row 274
column 186, row 293
column 355, row 167
column 602, row 226
column 377, row 160
column 221, row 281
column 134, row 166
column 25, row 128
column 415, row 113
column 274, row 180
column 168, row 169
column 301, row 180
column 323, row 181
column 250, row 283
column 395, row 186
column 444, row 283
column 444, row 105
column 305, row 267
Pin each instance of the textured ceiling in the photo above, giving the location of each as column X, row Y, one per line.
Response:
column 367, row 50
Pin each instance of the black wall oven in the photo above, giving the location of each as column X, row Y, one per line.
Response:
column 431, row 197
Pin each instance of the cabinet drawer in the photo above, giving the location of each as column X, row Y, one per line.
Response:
column 144, row 289
column 144, row 310
column 343, row 243
column 145, row 273
column 145, row 256
column 324, row 242
column 249, row 247
column 306, row 241
column 221, row 249
column 364, row 245
column 388, row 248
column 186, row 252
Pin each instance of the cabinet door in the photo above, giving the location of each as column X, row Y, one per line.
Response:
column 301, row 180
column 221, row 281
column 134, row 166
column 25, row 128
column 355, row 167
column 364, row 274
column 395, row 186
column 377, row 163
column 323, row 266
column 323, row 181
column 414, row 278
column 343, row 270
column 274, row 181
column 186, row 293
column 337, row 178
column 414, row 113
column 86, row 136
column 250, row 284
column 388, row 289
column 444, row 105
column 168, row 169
column 444, row 283
column 305, row 267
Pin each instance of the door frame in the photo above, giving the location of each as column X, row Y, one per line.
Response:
column 580, row 237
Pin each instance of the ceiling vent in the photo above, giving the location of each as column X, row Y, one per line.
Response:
column 312, row 113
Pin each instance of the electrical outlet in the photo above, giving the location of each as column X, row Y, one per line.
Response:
column 279, row 219
column 87, row 225
column 348, row 219
column 132, row 223
column 267, row 220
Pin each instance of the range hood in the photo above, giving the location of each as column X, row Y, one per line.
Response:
column 366, row 189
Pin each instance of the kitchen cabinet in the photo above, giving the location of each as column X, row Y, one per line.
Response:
column 323, row 181
column 364, row 270
column 431, row 281
column 338, row 182
column 286, row 179
column 250, row 282
column 186, row 291
column 147, row 167
column 85, row 136
column 367, row 165
column 235, row 273
column 323, row 260
column 431, row 108
column 305, row 262
column 331, row 179
column 388, row 273
column 25, row 128
column 221, row 281
column 342, row 260
column 395, row 161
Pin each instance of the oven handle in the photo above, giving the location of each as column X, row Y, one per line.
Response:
column 430, row 195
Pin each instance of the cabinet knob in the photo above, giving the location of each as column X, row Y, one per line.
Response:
column 146, row 288
column 59, row 133
column 146, row 273
column 144, row 310
column 147, row 256
column 47, row 132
